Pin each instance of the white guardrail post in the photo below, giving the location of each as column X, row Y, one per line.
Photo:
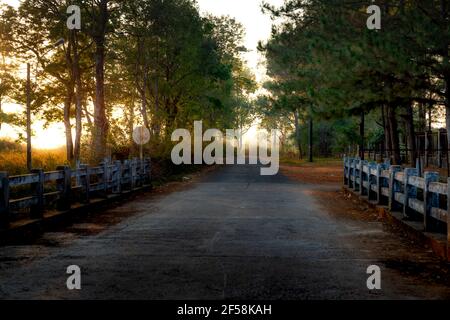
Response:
column 431, row 199
column 409, row 190
column 394, row 187
column 401, row 190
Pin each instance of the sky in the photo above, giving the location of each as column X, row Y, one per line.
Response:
column 256, row 24
column 10, row 2
column 247, row 12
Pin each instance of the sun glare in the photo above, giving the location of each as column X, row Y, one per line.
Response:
column 14, row 3
column 54, row 135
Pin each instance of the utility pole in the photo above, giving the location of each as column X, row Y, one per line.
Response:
column 29, row 160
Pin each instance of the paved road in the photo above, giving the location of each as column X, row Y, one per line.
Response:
column 234, row 234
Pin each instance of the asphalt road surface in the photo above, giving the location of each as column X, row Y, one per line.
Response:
column 232, row 235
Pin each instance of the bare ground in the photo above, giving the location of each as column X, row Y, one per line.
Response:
column 397, row 251
column 232, row 234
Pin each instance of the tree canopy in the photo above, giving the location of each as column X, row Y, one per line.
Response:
column 325, row 62
column 152, row 62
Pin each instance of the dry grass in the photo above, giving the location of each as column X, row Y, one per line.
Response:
column 15, row 161
column 321, row 171
column 318, row 162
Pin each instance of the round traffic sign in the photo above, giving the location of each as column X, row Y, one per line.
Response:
column 141, row 135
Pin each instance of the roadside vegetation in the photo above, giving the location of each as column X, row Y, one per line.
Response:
column 155, row 63
column 333, row 86
column 345, row 88
column 13, row 158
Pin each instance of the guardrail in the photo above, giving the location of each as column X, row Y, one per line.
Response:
column 403, row 190
column 59, row 187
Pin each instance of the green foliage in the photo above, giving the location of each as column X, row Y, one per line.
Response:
column 325, row 63
column 165, row 67
column 7, row 67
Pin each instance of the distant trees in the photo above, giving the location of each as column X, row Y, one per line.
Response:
column 338, row 67
column 36, row 27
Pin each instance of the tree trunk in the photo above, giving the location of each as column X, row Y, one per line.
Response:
column 387, row 132
column 144, row 99
column 297, row 133
column 142, row 74
column 67, row 124
column 361, row 136
column 393, row 130
column 131, row 118
column 411, row 134
column 430, row 118
column 3, row 66
column 78, row 97
column 447, row 117
column 310, row 149
column 422, row 116
column 101, row 127
column 88, row 117
column 445, row 58
column 1, row 98
column 156, row 126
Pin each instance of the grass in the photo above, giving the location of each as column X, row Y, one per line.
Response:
column 14, row 161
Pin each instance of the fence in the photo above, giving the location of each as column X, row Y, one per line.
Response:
column 431, row 148
column 63, row 186
column 423, row 199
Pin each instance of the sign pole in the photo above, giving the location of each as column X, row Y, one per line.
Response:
column 141, row 135
column 141, row 145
